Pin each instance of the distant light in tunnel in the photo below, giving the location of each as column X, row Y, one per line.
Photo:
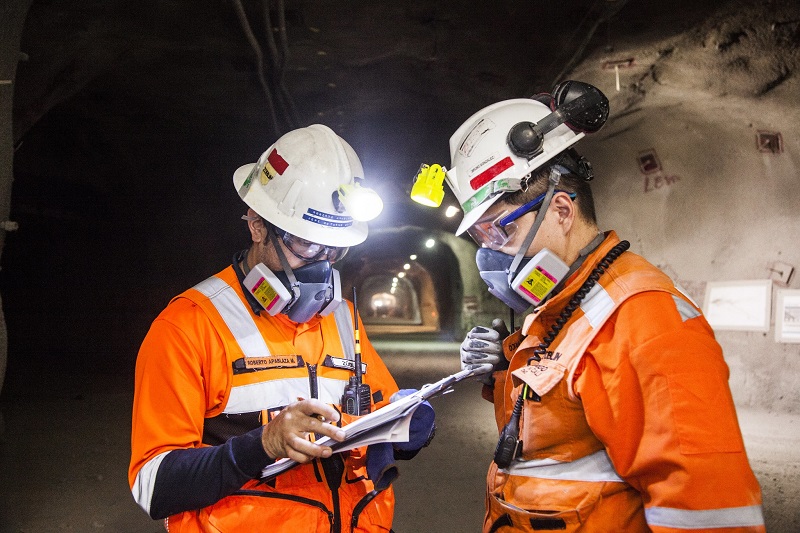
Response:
column 401, row 274
column 413, row 257
column 406, row 266
column 430, row 243
column 451, row 211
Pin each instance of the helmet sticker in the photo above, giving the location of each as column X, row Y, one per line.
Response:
column 490, row 173
column 327, row 219
column 495, row 187
column 275, row 165
column 480, row 129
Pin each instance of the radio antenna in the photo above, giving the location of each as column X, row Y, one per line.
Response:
column 357, row 358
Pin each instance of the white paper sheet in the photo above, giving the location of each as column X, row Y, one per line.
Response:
column 389, row 424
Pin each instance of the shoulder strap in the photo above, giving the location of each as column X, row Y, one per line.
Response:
column 344, row 324
column 234, row 313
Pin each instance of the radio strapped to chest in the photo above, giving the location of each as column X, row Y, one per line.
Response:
column 357, row 395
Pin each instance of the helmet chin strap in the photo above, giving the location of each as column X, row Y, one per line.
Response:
column 285, row 264
column 554, row 178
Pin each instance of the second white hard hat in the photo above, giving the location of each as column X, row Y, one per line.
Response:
column 483, row 164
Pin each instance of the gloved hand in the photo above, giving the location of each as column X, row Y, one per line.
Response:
column 422, row 427
column 380, row 464
column 482, row 349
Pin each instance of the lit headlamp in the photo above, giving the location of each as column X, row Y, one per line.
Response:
column 362, row 203
column 428, row 186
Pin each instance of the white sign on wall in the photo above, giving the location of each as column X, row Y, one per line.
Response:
column 739, row 305
column 787, row 316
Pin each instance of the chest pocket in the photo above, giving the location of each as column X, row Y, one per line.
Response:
column 553, row 426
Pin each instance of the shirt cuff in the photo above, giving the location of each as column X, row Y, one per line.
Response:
column 249, row 454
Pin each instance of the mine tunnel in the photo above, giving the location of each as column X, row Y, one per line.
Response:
column 123, row 124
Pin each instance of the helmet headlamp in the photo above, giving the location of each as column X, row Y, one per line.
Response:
column 428, row 188
column 362, row 203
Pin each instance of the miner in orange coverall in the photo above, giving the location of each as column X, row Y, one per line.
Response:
column 612, row 400
column 252, row 365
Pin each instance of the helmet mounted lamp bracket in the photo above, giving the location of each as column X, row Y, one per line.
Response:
column 581, row 106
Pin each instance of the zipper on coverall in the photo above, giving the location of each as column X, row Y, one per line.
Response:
column 333, row 466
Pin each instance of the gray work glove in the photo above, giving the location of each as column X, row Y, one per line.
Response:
column 482, row 349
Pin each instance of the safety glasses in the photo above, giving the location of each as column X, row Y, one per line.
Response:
column 496, row 230
column 310, row 251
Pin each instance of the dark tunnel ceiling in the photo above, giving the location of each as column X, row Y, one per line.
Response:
column 130, row 117
column 393, row 78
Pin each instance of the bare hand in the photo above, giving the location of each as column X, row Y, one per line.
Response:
column 287, row 434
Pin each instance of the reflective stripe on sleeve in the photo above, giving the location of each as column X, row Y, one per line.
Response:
column 146, row 481
column 235, row 315
column 277, row 393
column 709, row 518
column 594, row 467
column 685, row 309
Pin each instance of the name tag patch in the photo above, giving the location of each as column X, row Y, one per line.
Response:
column 346, row 364
column 254, row 364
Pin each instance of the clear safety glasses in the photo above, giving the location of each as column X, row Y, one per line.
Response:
column 495, row 231
column 310, row 251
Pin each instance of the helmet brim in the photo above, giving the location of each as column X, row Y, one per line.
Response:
column 476, row 213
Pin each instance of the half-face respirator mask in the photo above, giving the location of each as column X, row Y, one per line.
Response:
column 538, row 276
column 316, row 290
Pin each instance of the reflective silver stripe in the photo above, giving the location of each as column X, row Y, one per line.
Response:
column 686, row 310
column 142, row 489
column 273, row 393
column 686, row 294
column 597, row 305
column 752, row 515
column 280, row 393
column 344, row 324
column 236, row 316
column 594, row 467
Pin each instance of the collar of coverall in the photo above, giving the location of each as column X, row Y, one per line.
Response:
column 572, row 283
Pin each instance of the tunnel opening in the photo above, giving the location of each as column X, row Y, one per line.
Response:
column 407, row 281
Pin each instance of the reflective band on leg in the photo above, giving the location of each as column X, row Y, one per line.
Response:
column 710, row 518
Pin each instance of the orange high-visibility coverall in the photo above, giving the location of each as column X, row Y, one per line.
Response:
column 634, row 429
column 190, row 372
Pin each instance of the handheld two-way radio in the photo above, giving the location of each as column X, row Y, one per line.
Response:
column 357, row 395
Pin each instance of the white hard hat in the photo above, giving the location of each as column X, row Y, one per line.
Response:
column 483, row 164
column 294, row 185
